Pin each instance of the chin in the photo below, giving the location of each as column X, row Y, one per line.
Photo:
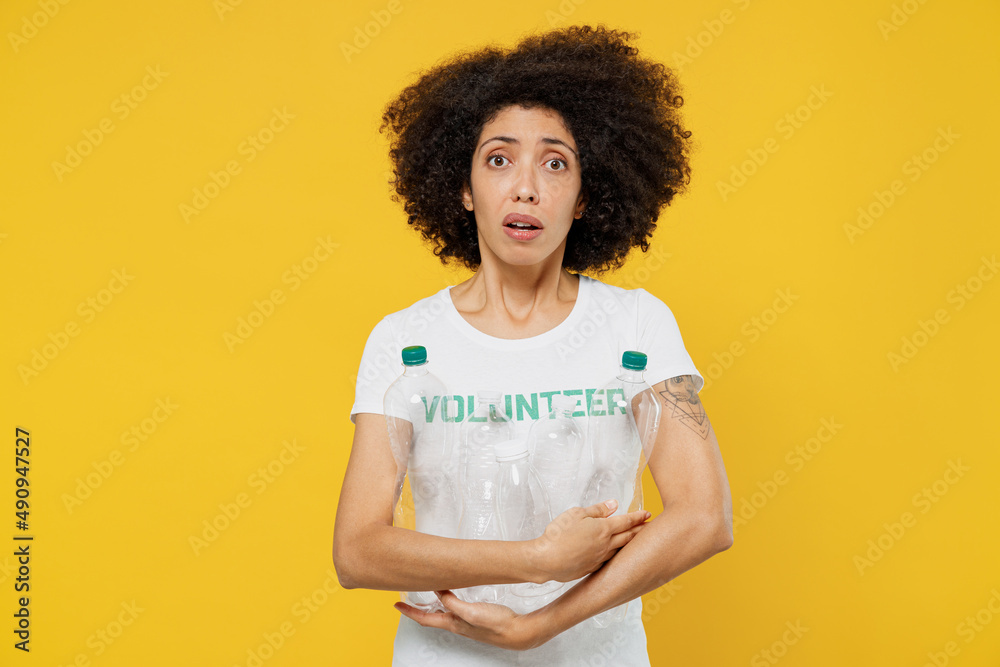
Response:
column 524, row 258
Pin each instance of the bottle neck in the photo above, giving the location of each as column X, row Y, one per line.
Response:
column 414, row 371
column 489, row 404
column 629, row 375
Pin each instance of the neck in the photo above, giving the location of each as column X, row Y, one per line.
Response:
column 520, row 290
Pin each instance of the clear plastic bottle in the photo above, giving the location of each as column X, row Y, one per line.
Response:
column 523, row 512
column 426, row 496
column 485, row 426
column 557, row 445
column 624, row 418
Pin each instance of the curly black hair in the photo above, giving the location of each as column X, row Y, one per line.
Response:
column 621, row 109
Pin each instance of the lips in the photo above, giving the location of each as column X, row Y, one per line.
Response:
column 521, row 227
column 519, row 221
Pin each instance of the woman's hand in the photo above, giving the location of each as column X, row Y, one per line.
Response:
column 575, row 544
column 581, row 539
column 490, row 623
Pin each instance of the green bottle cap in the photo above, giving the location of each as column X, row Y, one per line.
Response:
column 414, row 355
column 634, row 361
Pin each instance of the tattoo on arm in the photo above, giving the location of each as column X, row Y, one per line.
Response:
column 682, row 403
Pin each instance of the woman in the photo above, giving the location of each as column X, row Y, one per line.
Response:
column 532, row 166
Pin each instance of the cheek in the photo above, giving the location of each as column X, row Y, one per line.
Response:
column 562, row 187
column 492, row 192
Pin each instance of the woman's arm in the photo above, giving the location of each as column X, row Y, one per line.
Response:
column 369, row 552
column 695, row 524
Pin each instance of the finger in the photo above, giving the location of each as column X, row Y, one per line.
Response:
column 601, row 510
column 621, row 539
column 620, row 524
column 453, row 603
column 464, row 613
column 427, row 619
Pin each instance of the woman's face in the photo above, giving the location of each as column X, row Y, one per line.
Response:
column 525, row 164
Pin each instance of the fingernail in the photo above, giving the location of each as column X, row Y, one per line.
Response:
column 611, row 504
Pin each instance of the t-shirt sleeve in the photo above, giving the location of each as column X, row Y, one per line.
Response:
column 660, row 338
column 380, row 365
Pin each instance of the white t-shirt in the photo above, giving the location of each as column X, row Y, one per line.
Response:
column 577, row 357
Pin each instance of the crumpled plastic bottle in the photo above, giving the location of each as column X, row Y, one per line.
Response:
column 426, row 497
column 485, row 426
column 624, row 419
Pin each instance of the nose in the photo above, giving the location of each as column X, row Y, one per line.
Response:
column 524, row 188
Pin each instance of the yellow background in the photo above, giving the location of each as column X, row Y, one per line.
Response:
column 323, row 176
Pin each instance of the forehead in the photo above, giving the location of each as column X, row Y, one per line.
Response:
column 524, row 122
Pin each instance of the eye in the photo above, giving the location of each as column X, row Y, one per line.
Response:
column 493, row 157
column 558, row 161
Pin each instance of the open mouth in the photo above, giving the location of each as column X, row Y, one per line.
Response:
column 521, row 225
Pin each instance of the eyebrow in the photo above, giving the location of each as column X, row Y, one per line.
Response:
column 545, row 140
